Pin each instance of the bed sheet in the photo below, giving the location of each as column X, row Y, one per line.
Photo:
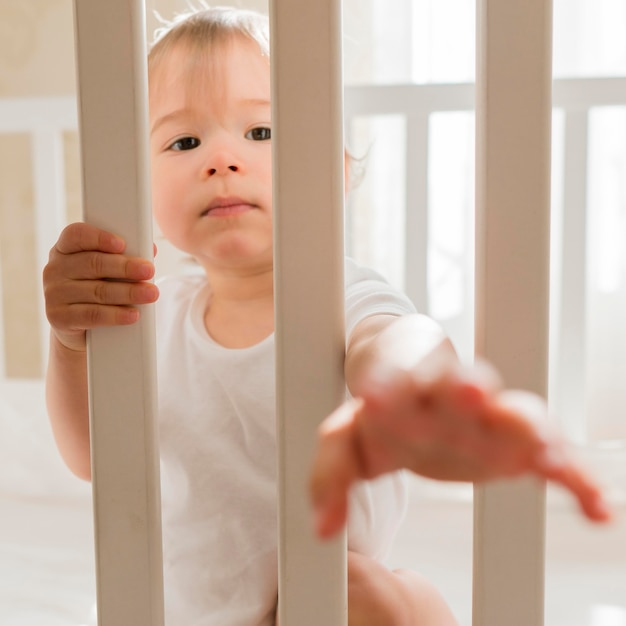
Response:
column 46, row 532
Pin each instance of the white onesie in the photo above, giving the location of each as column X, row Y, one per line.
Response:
column 218, row 449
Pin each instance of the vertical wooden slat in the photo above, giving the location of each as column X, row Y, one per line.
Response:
column 112, row 80
column 416, row 240
column 571, row 399
column 19, row 276
column 49, row 188
column 513, row 215
column 308, row 204
column 3, row 355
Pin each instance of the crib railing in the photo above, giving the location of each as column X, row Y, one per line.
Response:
column 574, row 99
column 45, row 120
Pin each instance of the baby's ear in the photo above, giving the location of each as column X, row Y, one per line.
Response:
column 353, row 170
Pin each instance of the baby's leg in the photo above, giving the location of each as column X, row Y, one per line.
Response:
column 380, row 597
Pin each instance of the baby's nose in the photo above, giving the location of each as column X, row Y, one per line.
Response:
column 221, row 161
column 222, row 169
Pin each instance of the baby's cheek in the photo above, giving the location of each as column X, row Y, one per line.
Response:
column 165, row 218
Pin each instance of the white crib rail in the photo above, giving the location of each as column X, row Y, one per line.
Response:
column 308, row 227
column 113, row 103
column 513, row 139
column 576, row 98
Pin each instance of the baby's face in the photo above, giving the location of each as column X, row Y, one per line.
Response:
column 211, row 155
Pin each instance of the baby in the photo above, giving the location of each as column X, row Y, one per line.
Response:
column 411, row 404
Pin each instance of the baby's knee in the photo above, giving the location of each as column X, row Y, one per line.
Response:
column 427, row 605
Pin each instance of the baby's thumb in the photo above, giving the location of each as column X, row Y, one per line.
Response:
column 335, row 469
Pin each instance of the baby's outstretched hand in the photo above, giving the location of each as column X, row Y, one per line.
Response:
column 453, row 423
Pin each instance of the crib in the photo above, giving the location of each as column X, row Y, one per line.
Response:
column 54, row 498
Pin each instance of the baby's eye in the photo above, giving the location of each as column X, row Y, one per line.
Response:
column 185, row 143
column 259, row 134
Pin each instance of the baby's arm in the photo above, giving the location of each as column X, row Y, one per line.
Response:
column 88, row 282
column 416, row 407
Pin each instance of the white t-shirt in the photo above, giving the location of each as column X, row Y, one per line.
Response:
column 218, row 461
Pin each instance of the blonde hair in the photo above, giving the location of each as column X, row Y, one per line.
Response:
column 199, row 29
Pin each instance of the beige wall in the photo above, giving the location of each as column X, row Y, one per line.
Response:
column 18, row 259
column 36, row 48
column 37, row 43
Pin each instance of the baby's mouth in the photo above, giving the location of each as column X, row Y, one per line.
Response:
column 227, row 206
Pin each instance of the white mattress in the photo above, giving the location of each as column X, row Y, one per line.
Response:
column 46, row 536
column 46, row 563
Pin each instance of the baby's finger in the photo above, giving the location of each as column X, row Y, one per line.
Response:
column 76, row 305
column 555, row 464
column 98, row 265
column 335, row 469
column 80, row 237
column 516, row 424
column 109, row 292
column 90, row 316
column 529, row 415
